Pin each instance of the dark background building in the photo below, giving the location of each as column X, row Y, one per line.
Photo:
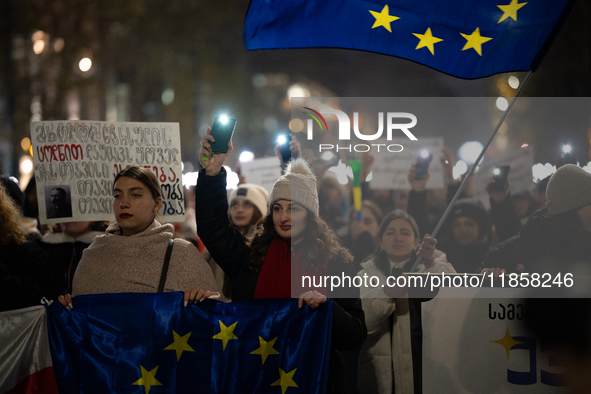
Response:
column 184, row 61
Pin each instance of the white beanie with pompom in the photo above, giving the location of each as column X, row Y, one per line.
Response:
column 298, row 184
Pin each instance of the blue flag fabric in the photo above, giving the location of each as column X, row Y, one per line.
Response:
column 151, row 343
column 465, row 38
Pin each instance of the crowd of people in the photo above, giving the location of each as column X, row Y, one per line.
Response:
column 253, row 244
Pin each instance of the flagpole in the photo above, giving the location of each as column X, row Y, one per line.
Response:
column 464, row 181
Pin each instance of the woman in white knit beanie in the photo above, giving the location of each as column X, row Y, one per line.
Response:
column 248, row 203
column 291, row 241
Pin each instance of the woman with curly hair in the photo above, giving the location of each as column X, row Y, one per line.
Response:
column 24, row 276
column 290, row 242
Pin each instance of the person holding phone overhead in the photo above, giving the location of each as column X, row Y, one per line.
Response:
column 130, row 256
column 291, row 237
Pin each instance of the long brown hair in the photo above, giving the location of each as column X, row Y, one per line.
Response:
column 380, row 256
column 319, row 244
column 10, row 232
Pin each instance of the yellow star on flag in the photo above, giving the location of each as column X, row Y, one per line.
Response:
column 180, row 344
column 474, row 41
column 266, row 348
column 285, row 380
column 226, row 333
column 510, row 10
column 148, row 379
column 507, row 341
column 427, row 40
column 383, row 18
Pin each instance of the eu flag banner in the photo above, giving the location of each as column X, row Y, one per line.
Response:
column 151, row 343
column 465, row 38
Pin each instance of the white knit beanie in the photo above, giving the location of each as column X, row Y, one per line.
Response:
column 569, row 188
column 298, row 185
column 256, row 194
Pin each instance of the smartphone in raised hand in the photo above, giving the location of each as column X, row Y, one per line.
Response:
column 283, row 141
column 422, row 164
column 222, row 131
column 500, row 175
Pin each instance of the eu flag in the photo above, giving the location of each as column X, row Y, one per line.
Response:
column 465, row 38
column 151, row 343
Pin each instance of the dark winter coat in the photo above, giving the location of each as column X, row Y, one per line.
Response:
column 63, row 255
column 24, row 276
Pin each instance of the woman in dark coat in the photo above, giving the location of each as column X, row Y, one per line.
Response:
column 292, row 240
column 24, row 276
column 64, row 244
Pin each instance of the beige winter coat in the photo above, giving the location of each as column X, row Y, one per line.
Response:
column 117, row 264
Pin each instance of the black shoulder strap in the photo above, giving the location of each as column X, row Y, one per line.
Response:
column 165, row 266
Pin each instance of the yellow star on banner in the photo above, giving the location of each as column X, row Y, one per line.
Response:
column 226, row 333
column 266, row 348
column 507, row 341
column 148, row 379
column 285, row 380
column 383, row 18
column 427, row 40
column 180, row 344
column 510, row 10
column 474, row 41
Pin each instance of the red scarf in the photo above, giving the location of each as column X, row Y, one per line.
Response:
column 275, row 277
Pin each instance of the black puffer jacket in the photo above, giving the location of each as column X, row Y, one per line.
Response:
column 537, row 249
column 25, row 278
column 226, row 245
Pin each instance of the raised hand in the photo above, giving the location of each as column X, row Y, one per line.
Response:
column 427, row 251
column 418, row 185
column 447, row 164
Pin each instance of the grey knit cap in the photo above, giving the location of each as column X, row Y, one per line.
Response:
column 569, row 188
column 298, row 185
